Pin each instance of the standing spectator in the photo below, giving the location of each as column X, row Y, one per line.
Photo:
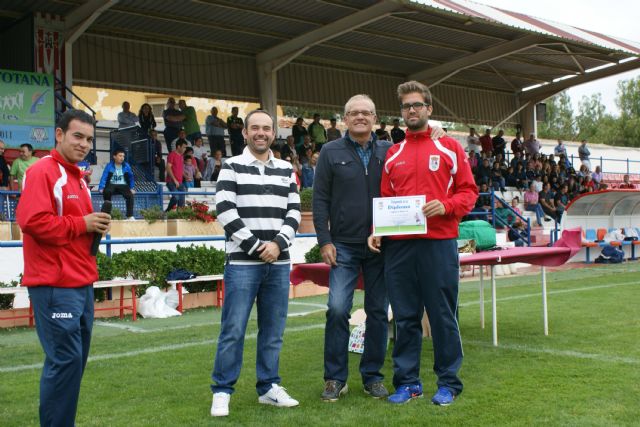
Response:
column 531, row 203
column 117, row 178
column 299, row 132
column 4, row 169
column 189, row 171
column 258, row 262
column 397, row 134
column 532, row 145
column 125, row 117
column 517, row 145
column 597, row 176
column 22, row 163
column 333, row 132
column 497, row 180
column 290, row 148
column 486, row 142
column 473, row 141
column 626, row 185
column 317, row 132
column 214, row 127
column 158, row 160
column 346, row 180
column 382, row 133
column 175, row 171
column 547, row 200
column 584, row 153
column 499, row 144
column 146, row 119
column 190, row 122
column 172, row 123
column 59, row 225
column 560, row 149
column 234, row 126
column 422, row 271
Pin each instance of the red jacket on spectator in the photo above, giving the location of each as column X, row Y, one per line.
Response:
column 487, row 144
column 53, row 203
column 440, row 170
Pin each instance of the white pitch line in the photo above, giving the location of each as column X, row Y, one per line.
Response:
column 309, row 304
column 565, row 353
column 560, row 291
column 118, row 326
column 159, row 349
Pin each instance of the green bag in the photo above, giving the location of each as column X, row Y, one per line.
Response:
column 480, row 231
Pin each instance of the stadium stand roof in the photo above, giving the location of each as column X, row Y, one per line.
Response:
column 477, row 59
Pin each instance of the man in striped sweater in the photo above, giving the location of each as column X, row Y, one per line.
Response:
column 258, row 204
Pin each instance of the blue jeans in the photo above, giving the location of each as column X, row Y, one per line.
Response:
column 268, row 285
column 64, row 320
column 351, row 259
column 538, row 210
column 176, row 200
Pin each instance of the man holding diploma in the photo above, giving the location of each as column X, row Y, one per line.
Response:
column 422, row 270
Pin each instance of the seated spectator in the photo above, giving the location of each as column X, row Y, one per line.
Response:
column 504, row 215
column 597, row 176
column 309, row 170
column 501, row 161
column 522, row 181
column 626, row 185
column 583, row 171
column 117, row 178
column 510, row 179
column 473, row 161
column 497, row 180
column 589, row 184
column 214, row 164
column 483, row 204
column 547, row 200
column 518, row 233
column 290, row 148
column 517, row 159
column 189, row 172
column 531, row 173
column 562, row 199
column 538, row 183
column 615, row 235
column 483, row 174
column 531, row 203
column 200, row 153
column 514, row 205
column 602, row 186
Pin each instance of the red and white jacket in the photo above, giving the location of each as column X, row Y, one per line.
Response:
column 439, row 169
column 53, row 203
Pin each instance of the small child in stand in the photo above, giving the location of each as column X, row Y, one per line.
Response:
column 190, row 172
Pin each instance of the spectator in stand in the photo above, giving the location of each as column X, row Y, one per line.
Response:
column 214, row 165
column 584, row 153
column 146, row 119
column 574, row 188
column 158, row 160
column 214, row 128
column 514, row 205
column 521, row 177
column 486, row 142
column 482, row 207
column 564, row 161
column 561, row 201
column 473, row 162
column 531, row 203
column 333, row 132
column 309, row 170
column 504, row 216
column 175, row 170
column 517, row 159
column 117, row 178
column 538, row 183
column 483, row 174
column 382, row 133
column 182, row 136
column 172, row 123
column 299, row 132
column 304, row 150
column 547, row 201
column 200, row 153
column 499, row 144
column 4, row 170
column 532, row 145
column 290, row 148
column 317, row 132
column 583, row 171
column 517, row 145
column 560, row 149
column 589, row 184
column 497, row 180
column 518, row 233
column 597, row 176
column 189, row 172
column 626, row 185
column 125, row 117
column 531, row 173
column 473, row 141
column 397, row 134
column 22, row 163
column 190, row 122
column 235, row 126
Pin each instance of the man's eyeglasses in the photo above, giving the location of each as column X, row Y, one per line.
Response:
column 416, row 106
column 356, row 113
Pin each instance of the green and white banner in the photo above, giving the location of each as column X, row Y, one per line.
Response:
column 27, row 113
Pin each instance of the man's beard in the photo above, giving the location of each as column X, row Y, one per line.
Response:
column 420, row 124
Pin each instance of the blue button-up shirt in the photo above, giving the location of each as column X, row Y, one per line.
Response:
column 364, row 152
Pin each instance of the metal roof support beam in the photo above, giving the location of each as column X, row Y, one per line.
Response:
column 512, row 114
column 442, row 72
column 450, row 111
column 268, row 83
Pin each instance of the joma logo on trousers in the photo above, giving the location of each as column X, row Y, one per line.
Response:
column 62, row 316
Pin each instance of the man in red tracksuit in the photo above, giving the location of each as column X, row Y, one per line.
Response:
column 422, row 271
column 57, row 219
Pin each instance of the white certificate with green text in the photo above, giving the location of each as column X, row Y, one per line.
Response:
column 394, row 216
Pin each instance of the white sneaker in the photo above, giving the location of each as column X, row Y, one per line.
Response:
column 278, row 396
column 220, row 404
column 131, row 218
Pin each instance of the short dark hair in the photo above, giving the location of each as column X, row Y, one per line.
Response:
column 73, row 114
column 118, row 151
column 415, row 87
column 180, row 142
column 251, row 113
column 187, row 157
column 29, row 146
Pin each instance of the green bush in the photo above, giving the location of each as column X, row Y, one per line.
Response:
column 116, row 214
column 313, row 256
column 306, row 200
column 152, row 214
column 6, row 301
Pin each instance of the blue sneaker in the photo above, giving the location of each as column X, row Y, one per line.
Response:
column 405, row 393
column 443, row 397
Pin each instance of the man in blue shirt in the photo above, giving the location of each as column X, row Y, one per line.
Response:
column 117, row 178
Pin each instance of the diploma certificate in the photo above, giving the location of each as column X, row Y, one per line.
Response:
column 394, row 216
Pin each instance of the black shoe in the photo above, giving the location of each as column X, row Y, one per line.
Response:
column 376, row 390
column 333, row 390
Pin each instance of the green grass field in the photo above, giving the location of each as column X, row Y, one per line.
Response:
column 157, row 372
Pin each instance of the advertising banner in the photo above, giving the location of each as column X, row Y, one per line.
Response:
column 27, row 109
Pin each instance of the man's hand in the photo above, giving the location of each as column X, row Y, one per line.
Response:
column 374, row 243
column 437, row 132
column 133, row 191
column 269, row 252
column 433, row 208
column 329, row 254
column 97, row 222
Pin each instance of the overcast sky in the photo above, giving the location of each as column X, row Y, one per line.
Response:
column 617, row 18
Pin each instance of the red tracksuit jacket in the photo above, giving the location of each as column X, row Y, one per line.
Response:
column 53, row 203
column 438, row 169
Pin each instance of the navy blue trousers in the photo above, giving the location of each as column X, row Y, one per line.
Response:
column 423, row 274
column 64, row 320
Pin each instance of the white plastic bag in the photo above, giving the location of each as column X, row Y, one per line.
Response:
column 153, row 304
